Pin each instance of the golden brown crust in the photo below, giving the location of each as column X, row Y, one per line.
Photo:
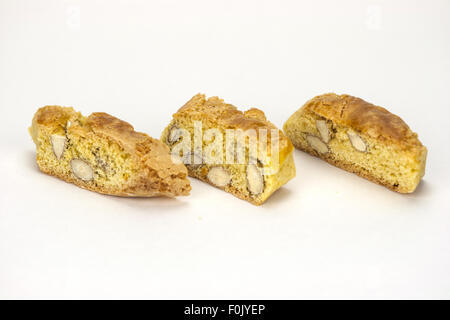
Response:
column 158, row 175
column 388, row 135
column 51, row 115
column 120, row 131
column 218, row 113
column 214, row 113
column 364, row 117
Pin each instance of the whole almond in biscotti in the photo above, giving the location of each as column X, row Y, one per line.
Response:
column 359, row 137
column 104, row 154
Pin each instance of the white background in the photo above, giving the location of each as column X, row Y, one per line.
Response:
column 326, row 234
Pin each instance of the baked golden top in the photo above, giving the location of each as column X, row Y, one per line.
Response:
column 365, row 117
column 98, row 123
column 149, row 152
column 220, row 114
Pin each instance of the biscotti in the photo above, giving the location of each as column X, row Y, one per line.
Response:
column 104, row 154
column 359, row 137
column 239, row 152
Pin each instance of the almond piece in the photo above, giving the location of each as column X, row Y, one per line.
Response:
column 323, row 130
column 58, row 144
column 174, row 135
column 317, row 144
column 255, row 180
column 356, row 141
column 219, row 177
column 82, row 170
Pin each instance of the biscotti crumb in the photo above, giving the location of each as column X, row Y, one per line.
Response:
column 104, row 154
column 359, row 137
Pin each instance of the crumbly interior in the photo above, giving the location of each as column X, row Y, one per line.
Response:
column 384, row 163
column 115, row 159
column 215, row 114
column 238, row 185
column 112, row 166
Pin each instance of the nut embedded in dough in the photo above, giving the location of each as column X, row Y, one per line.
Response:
column 364, row 139
column 82, row 170
column 58, row 144
column 317, row 144
column 226, row 138
column 174, row 135
column 219, row 177
column 323, row 130
column 356, row 141
column 255, row 180
column 100, row 147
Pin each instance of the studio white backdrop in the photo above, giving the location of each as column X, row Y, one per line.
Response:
column 326, row 234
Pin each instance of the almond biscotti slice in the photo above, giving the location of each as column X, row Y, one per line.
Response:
column 359, row 137
column 104, row 154
column 241, row 153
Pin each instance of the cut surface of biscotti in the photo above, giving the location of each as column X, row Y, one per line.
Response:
column 239, row 152
column 104, row 154
column 359, row 137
